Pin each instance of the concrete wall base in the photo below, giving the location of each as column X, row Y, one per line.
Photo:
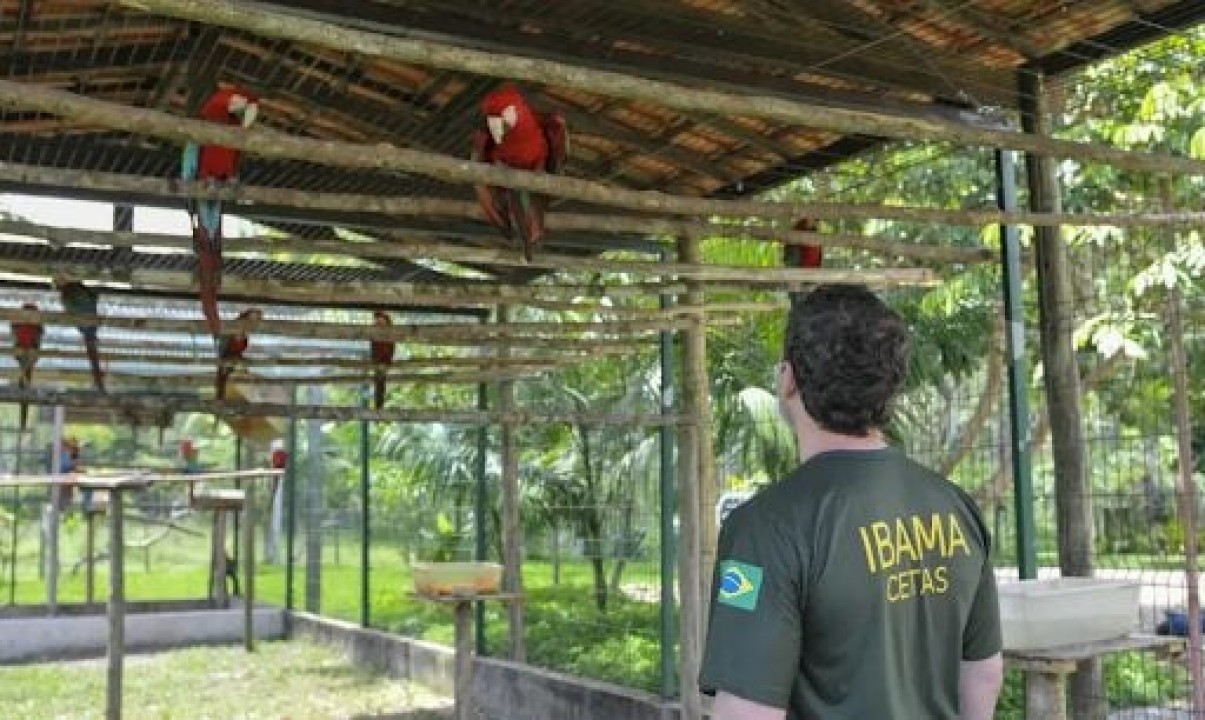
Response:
column 503, row 690
column 27, row 635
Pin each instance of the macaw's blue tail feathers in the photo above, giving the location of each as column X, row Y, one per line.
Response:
column 209, row 214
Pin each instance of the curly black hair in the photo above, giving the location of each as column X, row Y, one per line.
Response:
column 849, row 353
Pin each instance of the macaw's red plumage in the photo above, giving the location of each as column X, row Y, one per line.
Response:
column 213, row 164
column 803, row 256
column 27, row 340
column 231, row 349
column 80, row 299
column 518, row 137
column 381, row 352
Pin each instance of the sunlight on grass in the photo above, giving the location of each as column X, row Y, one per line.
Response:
column 295, row 680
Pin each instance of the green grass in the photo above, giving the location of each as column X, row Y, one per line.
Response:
column 295, row 680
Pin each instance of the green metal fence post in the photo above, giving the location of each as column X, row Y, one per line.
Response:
column 668, row 495
column 365, row 474
column 1018, row 372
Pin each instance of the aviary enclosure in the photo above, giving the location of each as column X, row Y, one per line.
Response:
column 1022, row 179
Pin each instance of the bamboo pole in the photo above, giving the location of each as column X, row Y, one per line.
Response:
column 119, row 404
column 276, row 24
column 410, row 250
column 434, row 333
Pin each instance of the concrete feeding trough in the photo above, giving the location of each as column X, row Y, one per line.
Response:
column 1041, row 614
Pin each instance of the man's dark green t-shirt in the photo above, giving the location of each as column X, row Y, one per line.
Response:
column 852, row 589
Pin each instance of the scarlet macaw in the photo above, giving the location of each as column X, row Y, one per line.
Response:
column 212, row 164
column 27, row 340
column 516, row 136
column 231, row 349
column 381, row 352
column 79, row 299
column 804, row 256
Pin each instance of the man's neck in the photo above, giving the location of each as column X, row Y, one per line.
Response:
column 819, row 441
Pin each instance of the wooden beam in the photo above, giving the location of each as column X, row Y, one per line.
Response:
column 264, row 21
column 118, row 404
column 527, row 333
column 774, row 276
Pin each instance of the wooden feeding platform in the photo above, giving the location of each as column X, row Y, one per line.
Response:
column 1046, row 669
column 461, row 585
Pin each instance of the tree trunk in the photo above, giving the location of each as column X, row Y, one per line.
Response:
column 1073, row 501
column 593, row 523
column 556, row 555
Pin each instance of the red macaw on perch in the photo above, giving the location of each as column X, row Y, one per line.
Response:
column 231, row 349
column 516, row 136
column 381, row 352
column 803, row 256
column 27, row 340
column 212, row 164
column 80, row 299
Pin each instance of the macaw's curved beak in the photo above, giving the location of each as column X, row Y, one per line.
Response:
column 249, row 114
column 496, row 127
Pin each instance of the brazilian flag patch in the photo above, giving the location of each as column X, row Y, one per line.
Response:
column 740, row 584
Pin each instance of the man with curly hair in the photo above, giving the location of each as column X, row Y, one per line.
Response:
column 861, row 585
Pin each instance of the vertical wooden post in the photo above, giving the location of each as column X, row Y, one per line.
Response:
column 463, row 692
column 314, row 508
column 1056, row 305
column 696, row 377
column 249, row 566
column 1045, row 696
column 512, row 539
column 52, row 524
column 90, row 555
column 117, row 602
column 692, row 571
column 1187, row 494
column 218, row 557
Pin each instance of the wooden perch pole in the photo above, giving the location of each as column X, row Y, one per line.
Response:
column 410, row 206
column 470, row 294
column 433, row 333
column 170, row 381
column 405, row 206
column 547, row 362
column 119, row 404
column 458, row 253
column 272, row 23
column 354, row 156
